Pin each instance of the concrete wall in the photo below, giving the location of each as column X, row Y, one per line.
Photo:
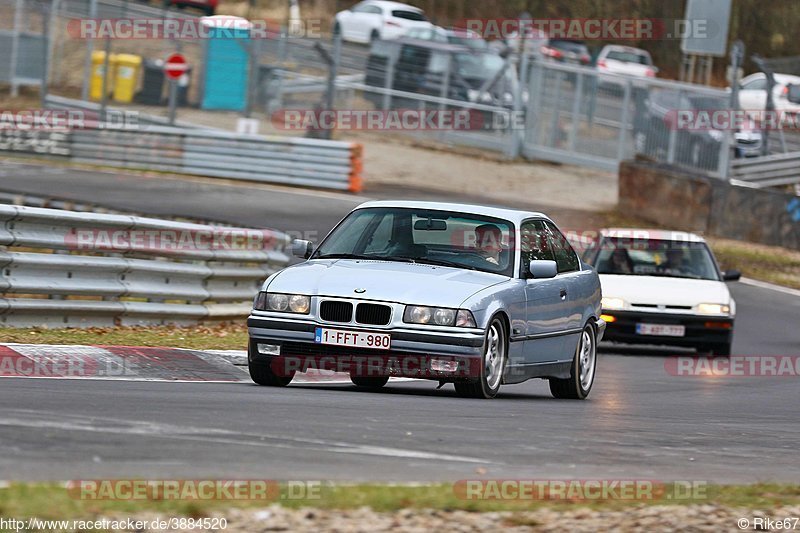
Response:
column 677, row 199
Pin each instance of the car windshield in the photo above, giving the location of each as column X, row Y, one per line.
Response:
column 650, row 257
column 629, row 57
column 424, row 236
column 479, row 66
column 408, row 15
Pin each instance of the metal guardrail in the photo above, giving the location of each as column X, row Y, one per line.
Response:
column 286, row 160
column 74, row 269
column 768, row 171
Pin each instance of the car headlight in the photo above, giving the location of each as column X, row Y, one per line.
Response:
column 282, row 303
column 612, row 303
column 438, row 316
column 713, row 309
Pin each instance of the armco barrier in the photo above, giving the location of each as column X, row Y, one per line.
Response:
column 90, row 269
column 213, row 153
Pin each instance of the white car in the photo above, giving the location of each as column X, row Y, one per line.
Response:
column 663, row 287
column 618, row 59
column 753, row 92
column 378, row 19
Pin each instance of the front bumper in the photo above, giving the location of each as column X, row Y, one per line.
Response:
column 413, row 352
column 700, row 330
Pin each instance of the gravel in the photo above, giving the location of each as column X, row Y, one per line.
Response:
column 663, row 518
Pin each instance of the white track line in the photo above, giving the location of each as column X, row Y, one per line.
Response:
column 770, row 286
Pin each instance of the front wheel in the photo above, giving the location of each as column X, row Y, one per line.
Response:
column 578, row 385
column 263, row 374
column 493, row 363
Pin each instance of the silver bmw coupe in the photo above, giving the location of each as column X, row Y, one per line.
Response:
column 475, row 296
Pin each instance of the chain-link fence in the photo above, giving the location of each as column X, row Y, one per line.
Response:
column 537, row 108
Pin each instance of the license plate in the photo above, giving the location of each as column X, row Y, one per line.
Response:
column 354, row 339
column 663, row 330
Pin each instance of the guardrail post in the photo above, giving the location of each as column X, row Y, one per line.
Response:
column 389, row 82
column 673, row 134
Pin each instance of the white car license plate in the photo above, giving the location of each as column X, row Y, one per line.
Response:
column 354, row 339
column 663, row 330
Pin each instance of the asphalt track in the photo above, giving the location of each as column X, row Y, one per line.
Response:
column 640, row 421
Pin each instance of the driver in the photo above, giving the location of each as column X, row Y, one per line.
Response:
column 675, row 261
column 488, row 238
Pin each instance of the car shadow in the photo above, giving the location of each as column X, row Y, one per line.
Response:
column 401, row 389
column 641, row 351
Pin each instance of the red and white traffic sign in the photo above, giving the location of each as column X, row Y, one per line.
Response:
column 175, row 66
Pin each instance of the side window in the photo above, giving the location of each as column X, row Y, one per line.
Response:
column 360, row 8
column 374, row 10
column 565, row 255
column 758, row 84
column 534, row 244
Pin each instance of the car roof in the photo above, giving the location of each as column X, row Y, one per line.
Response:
column 393, row 5
column 651, row 234
column 622, row 48
column 513, row 215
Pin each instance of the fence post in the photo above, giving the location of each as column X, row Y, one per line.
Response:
column 673, row 134
column 87, row 61
column 14, row 59
column 556, row 111
column 623, row 127
column 389, row 82
column 576, row 109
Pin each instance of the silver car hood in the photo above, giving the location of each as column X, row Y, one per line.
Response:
column 382, row 280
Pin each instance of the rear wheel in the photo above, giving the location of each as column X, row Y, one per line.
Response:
column 374, row 36
column 578, row 385
column 369, row 383
column 493, row 363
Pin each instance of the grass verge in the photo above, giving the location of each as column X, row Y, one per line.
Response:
column 50, row 501
column 209, row 337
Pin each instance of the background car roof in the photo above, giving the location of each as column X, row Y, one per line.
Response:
column 394, row 5
column 513, row 215
column 654, row 234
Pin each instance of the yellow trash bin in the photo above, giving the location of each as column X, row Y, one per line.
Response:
column 96, row 80
column 127, row 74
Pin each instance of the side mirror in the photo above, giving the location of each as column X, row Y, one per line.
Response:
column 543, row 269
column 302, row 249
column 731, row 275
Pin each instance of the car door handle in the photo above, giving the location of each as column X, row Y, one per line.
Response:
column 563, row 294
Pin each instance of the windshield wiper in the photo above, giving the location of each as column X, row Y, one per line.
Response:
column 445, row 262
column 364, row 257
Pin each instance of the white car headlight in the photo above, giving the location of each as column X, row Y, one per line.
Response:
column 612, row 303
column 713, row 309
column 282, row 303
column 438, row 316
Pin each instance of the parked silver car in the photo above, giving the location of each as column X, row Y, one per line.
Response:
column 462, row 294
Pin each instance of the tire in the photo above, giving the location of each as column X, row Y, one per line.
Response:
column 583, row 370
column 337, row 29
column 493, row 363
column 369, row 383
column 374, row 36
column 263, row 375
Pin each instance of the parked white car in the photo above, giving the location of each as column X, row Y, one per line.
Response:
column 378, row 19
column 618, row 59
column 753, row 92
column 663, row 287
